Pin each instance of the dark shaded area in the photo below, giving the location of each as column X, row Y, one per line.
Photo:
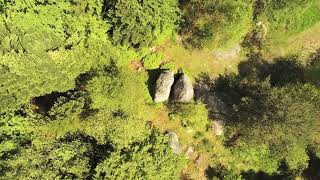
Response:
column 219, row 172
column 153, row 75
column 313, row 68
column 251, row 175
column 313, row 171
column 223, row 93
column 286, row 71
column 205, row 92
column 98, row 153
column 209, row 172
column 259, row 7
column 43, row 104
column 81, row 83
column 315, row 58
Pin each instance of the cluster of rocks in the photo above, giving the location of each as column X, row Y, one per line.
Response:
column 174, row 142
column 180, row 90
column 177, row 147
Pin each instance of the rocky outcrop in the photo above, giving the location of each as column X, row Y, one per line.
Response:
column 217, row 127
column 217, row 108
column 189, row 152
column 174, row 142
column 182, row 90
column 229, row 54
column 163, row 86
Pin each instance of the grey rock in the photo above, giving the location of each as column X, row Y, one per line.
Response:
column 229, row 54
column 217, row 127
column 174, row 142
column 182, row 90
column 189, row 152
column 163, row 86
column 217, row 108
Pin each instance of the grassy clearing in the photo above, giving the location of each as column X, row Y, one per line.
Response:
column 198, row 61
column 302, row 44
column 195, row 62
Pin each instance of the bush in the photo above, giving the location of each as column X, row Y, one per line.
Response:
column 152, row 61
column 194, row 115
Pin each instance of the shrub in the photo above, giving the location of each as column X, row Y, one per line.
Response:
column 194, row 115
column 152, row 61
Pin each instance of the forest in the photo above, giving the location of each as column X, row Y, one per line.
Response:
column 160, row 89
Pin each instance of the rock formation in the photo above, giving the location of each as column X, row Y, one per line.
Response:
column 174, row 142
column 182, row 90
column 189, row 152
column 217, row 127
column 163, row 86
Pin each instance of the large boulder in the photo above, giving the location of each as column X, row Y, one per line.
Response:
column 163, row 86
column 182, row 90
column 174, row 142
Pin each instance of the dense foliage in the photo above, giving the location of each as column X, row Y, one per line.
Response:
column 286, row 18
column 139, row 23
column 216, row 24
column 77, row 80
column 277, row 115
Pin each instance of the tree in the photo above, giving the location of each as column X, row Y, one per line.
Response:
column 145, row 160
column 139, row 23
column 45, row 46
column 289, row 17
column 282, row 117
column 216, row 23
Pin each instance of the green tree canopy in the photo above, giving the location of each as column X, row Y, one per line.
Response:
column 216, row 23
column 138, row 23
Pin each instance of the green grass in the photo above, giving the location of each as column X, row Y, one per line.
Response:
column 195, row 61
column 302, row 44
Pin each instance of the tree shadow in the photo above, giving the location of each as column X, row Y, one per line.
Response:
column 313, row 68
column 44, row 103
column 313, row 170
column 252, row 175
column 282, row 71
column 204, row 90
column 220, row 172
column 225, row 94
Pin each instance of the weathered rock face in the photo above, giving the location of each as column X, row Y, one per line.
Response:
column 217, row 127
column 182, row 90
column 174, row 142
column 163, row 86
column 217, row 108
column 189, row 152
